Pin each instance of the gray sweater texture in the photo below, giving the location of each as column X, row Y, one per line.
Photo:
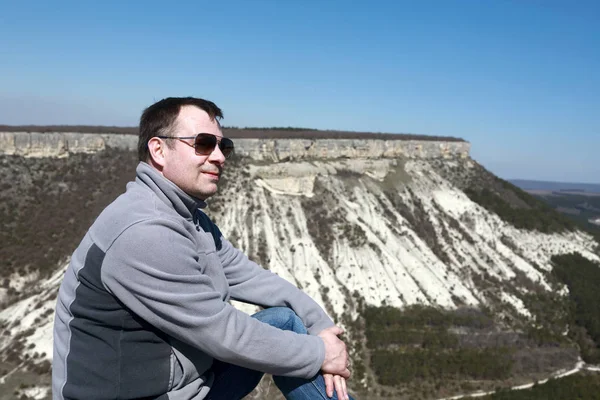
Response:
column 144, row 305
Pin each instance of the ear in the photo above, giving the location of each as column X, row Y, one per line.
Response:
column 157, row 150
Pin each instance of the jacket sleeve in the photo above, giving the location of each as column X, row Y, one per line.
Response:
column 250, row 283
column 155, row 269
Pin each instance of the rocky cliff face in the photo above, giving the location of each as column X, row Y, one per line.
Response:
column 395, row 231
column 357, row 224
column 56, row 144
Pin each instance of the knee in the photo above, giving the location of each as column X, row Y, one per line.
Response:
column 279, row 317
column 283, row 318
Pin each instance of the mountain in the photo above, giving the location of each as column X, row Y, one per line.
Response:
column 447, row 279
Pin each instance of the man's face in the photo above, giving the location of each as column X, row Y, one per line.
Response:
column 197, row 175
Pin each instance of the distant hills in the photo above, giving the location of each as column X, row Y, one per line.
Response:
column 556, row 186
column 578, row 201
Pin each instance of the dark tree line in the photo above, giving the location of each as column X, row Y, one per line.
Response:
column 416, row 343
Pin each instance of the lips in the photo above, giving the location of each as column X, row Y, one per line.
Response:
column 215, row 174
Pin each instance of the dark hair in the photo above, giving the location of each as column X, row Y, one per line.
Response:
column 159, row 119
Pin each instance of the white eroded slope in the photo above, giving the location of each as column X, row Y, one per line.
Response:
column 392, row 263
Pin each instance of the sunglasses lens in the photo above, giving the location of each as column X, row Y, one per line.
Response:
column 226, row 147
column 205, row 144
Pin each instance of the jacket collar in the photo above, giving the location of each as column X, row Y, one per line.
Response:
column 167, row 191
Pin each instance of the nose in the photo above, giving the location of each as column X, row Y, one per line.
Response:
column 217, row 156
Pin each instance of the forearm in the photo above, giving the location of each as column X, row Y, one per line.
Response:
column 251, row 283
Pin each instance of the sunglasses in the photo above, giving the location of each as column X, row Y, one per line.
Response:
column 205, row 143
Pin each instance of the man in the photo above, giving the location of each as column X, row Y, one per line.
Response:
column 143, row 310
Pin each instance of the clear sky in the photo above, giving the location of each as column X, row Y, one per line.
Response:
column 519, row 79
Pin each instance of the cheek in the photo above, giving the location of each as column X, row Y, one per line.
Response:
column 178, row 172
column 200, row 160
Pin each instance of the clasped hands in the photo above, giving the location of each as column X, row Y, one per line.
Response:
column 336, row 365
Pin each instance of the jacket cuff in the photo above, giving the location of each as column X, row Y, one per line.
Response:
column 318, row 327
column 320, row 357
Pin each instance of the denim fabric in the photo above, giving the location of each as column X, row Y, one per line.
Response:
column 234, row 382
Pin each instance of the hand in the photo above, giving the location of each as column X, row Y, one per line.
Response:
column 336, row 355
column 340, row 386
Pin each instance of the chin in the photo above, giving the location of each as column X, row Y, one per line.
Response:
column 205, row 194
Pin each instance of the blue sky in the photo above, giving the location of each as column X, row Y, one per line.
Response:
column 519, row 79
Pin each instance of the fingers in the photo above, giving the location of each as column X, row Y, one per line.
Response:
column 328, row 384
column 336, row 330
column 340, row 387
column 345, row 373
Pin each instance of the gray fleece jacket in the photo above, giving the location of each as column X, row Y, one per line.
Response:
column 143, row 308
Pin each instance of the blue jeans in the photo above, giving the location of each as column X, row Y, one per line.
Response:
column 234, row 382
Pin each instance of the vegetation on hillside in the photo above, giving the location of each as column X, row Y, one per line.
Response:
column 509, row 202
column 579, row 386
column 582, row 277
column 438, row 348
column 399, row 366
column 47, row 205
column 537, row 216
column 580, row 208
